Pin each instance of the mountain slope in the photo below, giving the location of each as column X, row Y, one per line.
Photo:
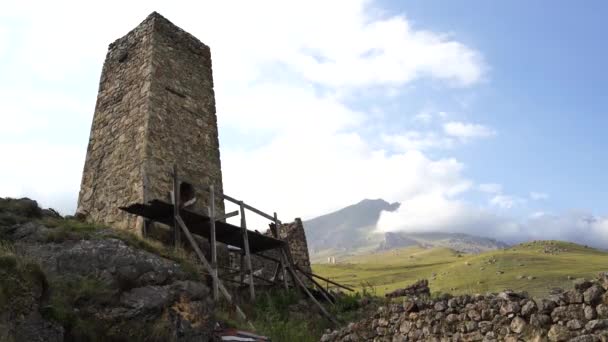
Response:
column 347, row 228
column 457, row 241
column 352, row 230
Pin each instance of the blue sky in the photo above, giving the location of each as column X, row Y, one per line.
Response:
column 545, row 93
column 478, row 116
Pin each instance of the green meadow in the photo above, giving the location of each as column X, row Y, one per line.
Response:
column 535, row 267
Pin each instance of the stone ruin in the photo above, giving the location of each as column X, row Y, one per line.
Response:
column 293, row 233
column 156, row 108
column 579, row 315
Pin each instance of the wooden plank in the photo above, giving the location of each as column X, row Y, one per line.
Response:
column 211, row 210
column 176, row 205
column 198, row 223
column 247, row 253
column 202, row 258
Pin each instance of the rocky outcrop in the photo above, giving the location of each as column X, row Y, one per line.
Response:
column 72, row 281
column 419, row 288
column 579, row 314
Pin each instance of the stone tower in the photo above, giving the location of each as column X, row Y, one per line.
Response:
column 155, row 107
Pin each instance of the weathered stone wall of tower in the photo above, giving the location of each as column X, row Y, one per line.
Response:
column 155, row 107
column 112, row 174
column 182, row 120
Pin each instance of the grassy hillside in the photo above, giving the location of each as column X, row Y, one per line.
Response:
column 535, row 267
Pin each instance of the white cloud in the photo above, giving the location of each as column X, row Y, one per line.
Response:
column 576, row 226
column 538, row 196
column 436, row 213
column 505, row 201
column 423, row 117
column 4, row 40
column 415, row 140
column 467, row 130
column 490, row 188
column 432, row 212
column 280, row 78
column 281, row 70
column 537, row 214
column 48, row 173
column 427, row 117
column 330, row 171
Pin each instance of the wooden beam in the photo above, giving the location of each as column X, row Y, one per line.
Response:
column 325, row 293
column 226, row 216
column 211, row 210
column 202, row 258
column 327, row 280
column 247, row 206
column 247, row 253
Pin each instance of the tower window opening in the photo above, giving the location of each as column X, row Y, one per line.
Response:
column 187, row 195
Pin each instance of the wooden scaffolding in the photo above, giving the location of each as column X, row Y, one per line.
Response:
column 209, row 225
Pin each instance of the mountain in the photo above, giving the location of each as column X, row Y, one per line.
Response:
column 347, row 228
column 457, row 241
column 352, row 230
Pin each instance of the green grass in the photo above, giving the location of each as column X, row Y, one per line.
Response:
column 273, row 314
column 21, row 281
column 467, row 273
column 71, row 229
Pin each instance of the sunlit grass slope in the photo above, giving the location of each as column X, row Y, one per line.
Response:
column 535, row 267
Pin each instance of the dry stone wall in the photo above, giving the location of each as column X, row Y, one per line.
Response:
column 579, row 314
column 155, row 107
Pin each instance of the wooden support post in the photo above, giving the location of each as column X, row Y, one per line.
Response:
column 325, row 294
column 202, row 258
column 275, row 274
column 247, row 253
column 176, row 205
column 275, row 233
column 299, row 283
column 242, row 268
column 211, row 209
